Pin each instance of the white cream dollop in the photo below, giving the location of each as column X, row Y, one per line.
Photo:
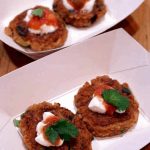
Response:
column 40, row 135
column 96, row 105
column 28, row 15
column 87, row 7
column 44, row 29
column 120, row 111
column 67, row 5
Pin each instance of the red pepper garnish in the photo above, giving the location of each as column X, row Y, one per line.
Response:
column 51, row 120
column 48, row 18
column 110, row 109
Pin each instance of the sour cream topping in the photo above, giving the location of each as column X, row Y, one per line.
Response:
column 40, row 138
column 67, row 5
column 98, row 104
column 28, row 15
column 44, row 28
column 88, row 6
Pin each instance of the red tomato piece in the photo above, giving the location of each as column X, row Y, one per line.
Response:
column 48, row 18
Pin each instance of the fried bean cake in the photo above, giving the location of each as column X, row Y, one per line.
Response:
column 83, row 141
column 80, row 13
column 34, row 114
column 106, row 124
column 38, row 28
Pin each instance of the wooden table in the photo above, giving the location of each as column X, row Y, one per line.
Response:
column 137, row 25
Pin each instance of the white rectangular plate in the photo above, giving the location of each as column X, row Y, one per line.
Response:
column 137, row 78
column 117, row 11
column 67, row 100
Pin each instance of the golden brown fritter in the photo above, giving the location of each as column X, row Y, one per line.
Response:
column 80, row 18
column 83, row 141
column 18, row 31
column 104, row 125
column 34, row 115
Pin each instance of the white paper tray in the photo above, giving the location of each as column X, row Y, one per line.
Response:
column 67, row 100
column 117, row 11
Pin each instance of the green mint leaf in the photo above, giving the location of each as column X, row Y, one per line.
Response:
column 38, row 12
column 123, row 104
column 114, row 98
column 66, row 137
column 51, row 134
column 62, row 128
column 66, row 129
column 16, row 122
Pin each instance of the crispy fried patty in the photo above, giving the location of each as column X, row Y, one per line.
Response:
column 18, row 31
column 104, row 125
column 83, row 141
column 79, row 18
column 34, row 115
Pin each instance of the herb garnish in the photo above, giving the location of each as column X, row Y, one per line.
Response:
column 114, row 98
column 16, row 122
column 51, row 134
column 62, row 129
column 38, row 12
